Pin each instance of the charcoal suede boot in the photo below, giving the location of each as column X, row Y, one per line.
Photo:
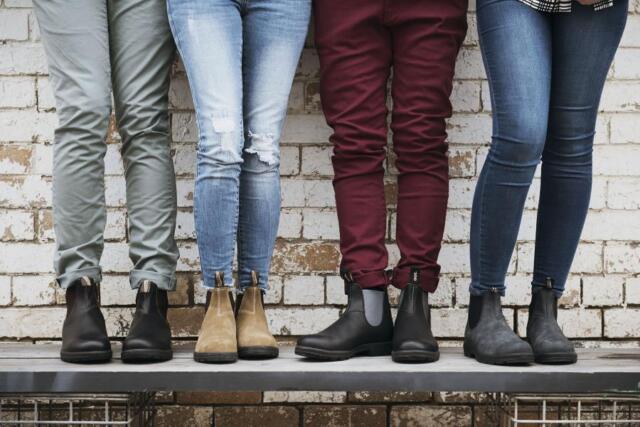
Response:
column 549, row 344
column 488, row 338
column 353, row 334
column 84, row 334
column 413, row 341
column 149, row 338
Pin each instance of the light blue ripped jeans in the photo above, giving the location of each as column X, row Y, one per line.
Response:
column 240, row 57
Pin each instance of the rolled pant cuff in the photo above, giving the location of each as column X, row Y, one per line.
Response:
column 66, row 279
column 428, row 281
column 163, row 281
column 371, row 279
column 476, row 289
column 558, row 291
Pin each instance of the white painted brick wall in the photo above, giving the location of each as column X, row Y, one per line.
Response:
column 601, row 305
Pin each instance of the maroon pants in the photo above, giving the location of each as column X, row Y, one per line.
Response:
column 358, row 42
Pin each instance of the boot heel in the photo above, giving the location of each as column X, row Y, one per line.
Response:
column 467, row 353
column 379, row 349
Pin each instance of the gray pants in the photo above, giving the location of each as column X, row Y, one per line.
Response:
column 94, row 47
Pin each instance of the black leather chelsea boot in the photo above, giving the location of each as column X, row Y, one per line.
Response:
column 84, row 334
column 549, row 344
column 413, row 341
column 356, row 332
column 488, row 338
column 149, row 338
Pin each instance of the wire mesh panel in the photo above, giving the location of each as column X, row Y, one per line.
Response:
column 519, row 410
column 126, row 409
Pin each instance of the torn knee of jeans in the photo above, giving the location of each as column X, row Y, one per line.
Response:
column 263, row 145
column 227, row 131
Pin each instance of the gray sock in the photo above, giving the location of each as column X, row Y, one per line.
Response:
column 373, row 305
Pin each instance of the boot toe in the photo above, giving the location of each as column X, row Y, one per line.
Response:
column 85, row 345
column 314, row 341
column 416, row 345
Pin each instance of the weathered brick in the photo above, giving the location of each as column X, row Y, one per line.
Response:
column 264, row 416
column 335, row 291
column 622, row 323
column 16, row 92
column 304, row 290
column 602, row 291
column 34, row 290
column 5, row 290
column 320, row 224
column 171, row 416
column 632, row 290
column 24, row 191
column 316, row 161
column 353, row 416
column 392, row 396
column 16, row 225
column 185, row 321
column 290, row 223
column 218, row 397
column 305, row 396
column 46, row 100
column 22, row 58
column 14, row 24
column 26, row 257
column 43, row 322
column 445, row 416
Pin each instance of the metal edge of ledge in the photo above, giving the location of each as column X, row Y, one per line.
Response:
column 496, row 381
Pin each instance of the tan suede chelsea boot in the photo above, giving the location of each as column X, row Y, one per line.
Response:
column 254, row 339
column 217, row 339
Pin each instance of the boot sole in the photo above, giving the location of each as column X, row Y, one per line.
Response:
column 556, row 358
column 375, row 349
column 102, row 356
column 415, row 356
column 145, row 356
column 512, row 359
column 215, row 357
column 258, row 352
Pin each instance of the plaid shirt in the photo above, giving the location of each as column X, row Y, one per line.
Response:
column 562, row 5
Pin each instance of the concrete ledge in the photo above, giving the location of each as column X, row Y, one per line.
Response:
column 26, row 368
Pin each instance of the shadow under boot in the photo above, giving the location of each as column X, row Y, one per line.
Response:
column 488, row 337
column 217, row 338
column 254, row 339
column 549, row 344
column 84, row 334
column 149, row 338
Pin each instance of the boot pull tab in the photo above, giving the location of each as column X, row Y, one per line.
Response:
column 85, row 281
column 145, row 287
column 348, row 280
column 548, row 283
column 414, row 276
column 219, row 279
column 255, row 279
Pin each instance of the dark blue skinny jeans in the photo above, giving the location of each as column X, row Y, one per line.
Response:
column 546, row 73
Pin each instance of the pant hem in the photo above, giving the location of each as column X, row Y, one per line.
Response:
column 428, row 281
column 163, row 281
column 556, row 291
column 66, row 279
column 371, row 279
column 476, row 289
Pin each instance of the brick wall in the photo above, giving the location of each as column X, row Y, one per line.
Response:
column 601, row 305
